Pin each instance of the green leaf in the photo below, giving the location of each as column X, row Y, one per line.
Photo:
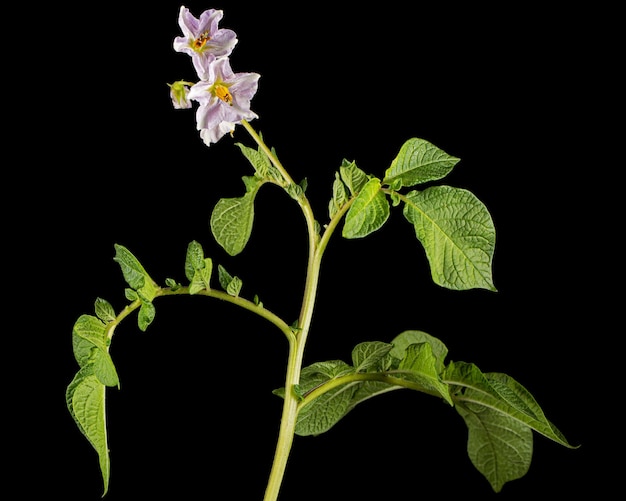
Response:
column 91, row 329
column 499, row 446
column 89, row 342
column 85, row 398
column 340, row 197
column 194, row 259
column 104, row 310
column 352, row 176
column 406, row 338
column 457, row 233
column 202, row 277
column 295, row 191
column 368, row 212
column 135, row 274
column 418, row 162
column 146, row 315
column 500, row 415
column 367, row 355
column 234, row 286
column 261, row 163
column 501, row 393
column 231, row 222
column 104, row 369
column 369, row 389
column 325, row 411
column 223, row 276
column 419, row 365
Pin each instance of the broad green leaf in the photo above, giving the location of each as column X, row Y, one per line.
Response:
column 69, row 392
column 325, row 411
column 231, row 222
column 500, row 393
column 93, row 330
column 135, row 274
column 369, row 389
column 420, row 366
column 85, row 397
column 352, row 176
column 104, row 369
column 457, row 233
column 368, row 212
column 418, row 162
column 83, row 350
column 89, row 342
column 519, row 397
column 499, row 446
column 367, row 355
column 406, row 338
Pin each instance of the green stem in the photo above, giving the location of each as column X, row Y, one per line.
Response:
column 297, row 343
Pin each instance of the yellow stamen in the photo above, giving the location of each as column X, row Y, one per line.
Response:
column 200, row 42
column 223, row 93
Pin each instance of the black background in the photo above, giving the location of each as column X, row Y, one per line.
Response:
column 195, row 417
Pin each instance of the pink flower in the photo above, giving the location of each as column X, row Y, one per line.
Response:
column 224, row 99
column 202, row 39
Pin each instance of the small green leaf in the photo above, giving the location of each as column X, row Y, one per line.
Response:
column 234, row 286
column 295, row 191
column 231, row 222
column 297, row 391
column 418, row 162
column 202, row 277
column 261, row 162
column 135, row 274
column 457, row 233
column 368, row 212
column 146, row 315
column 223, row 276
column 340, row 196
column 352, row 176
column 172, row 284
column 104, row 310
column 194, row 259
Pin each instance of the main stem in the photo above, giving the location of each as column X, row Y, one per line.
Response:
column 294, row 364
column 297, row 342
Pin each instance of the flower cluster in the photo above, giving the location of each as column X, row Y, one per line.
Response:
column 222, row 95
